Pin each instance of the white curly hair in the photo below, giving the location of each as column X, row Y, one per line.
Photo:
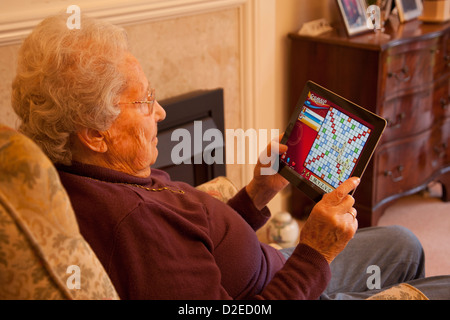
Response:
column 68, row 78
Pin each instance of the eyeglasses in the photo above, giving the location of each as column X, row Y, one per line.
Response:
column 146, row 106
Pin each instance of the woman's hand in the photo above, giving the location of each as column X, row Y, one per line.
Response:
column 266, row 182
column 332, row 222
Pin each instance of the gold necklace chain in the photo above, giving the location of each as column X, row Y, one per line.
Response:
column 142, row 187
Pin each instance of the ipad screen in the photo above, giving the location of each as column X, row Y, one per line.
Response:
column 325, row 143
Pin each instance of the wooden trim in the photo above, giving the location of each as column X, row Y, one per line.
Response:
column 258, row 68
column 19, row 21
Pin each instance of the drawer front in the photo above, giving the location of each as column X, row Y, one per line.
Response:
column 442, row 56
column 408, row 115
column 403, row 165
column 441, row 146
column 441, row 102
column 408, row 70
column 409, row 163
column 416, row 112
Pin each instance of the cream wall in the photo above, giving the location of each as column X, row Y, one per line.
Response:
column 242, row 48
column 290, row 16
column 8, row 60
column 178, row 55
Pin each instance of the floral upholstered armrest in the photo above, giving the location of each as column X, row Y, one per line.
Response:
column 220, row 188
column 42, row 253
column 403, row 291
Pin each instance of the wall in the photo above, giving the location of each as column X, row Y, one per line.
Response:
column 8, row 60
column 179, row 54
column 290, row 16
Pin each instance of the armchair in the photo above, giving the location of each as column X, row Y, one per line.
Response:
column 40, row 243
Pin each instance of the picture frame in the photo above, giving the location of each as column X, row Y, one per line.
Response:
column 353, row 13
column 409, row 9
column 386, row 7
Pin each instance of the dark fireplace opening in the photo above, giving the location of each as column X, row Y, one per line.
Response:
column 185, row 112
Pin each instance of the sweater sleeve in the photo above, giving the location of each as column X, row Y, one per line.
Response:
column 242, row 204
column 171, row 265
column 304, row 276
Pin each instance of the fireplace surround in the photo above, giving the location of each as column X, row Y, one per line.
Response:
column 186, row 111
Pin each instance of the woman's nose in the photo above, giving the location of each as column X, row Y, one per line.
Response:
column 160, row 112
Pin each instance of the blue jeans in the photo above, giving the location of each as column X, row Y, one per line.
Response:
column 395, row 251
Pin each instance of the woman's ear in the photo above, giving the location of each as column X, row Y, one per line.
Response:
column 93, row 139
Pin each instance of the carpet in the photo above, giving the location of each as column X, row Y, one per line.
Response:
column 429, row 219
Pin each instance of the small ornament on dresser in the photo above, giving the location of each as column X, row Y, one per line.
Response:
column 283, row 230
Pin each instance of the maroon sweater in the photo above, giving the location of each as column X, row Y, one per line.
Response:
column 166, row 245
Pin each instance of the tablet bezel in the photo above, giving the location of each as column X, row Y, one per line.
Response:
column 378, row 123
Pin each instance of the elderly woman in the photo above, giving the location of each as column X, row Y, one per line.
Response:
column 85, row 100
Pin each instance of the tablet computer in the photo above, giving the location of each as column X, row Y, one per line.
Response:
column 329, row 139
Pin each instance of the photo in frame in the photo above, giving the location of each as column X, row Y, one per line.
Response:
column 408, row 9
column 353, row 13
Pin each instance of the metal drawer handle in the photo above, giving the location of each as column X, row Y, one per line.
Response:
column 447, row 59
column 441, row 150
column 444, row 103
column 399, row 177
column 403, row 75
column 398, row 121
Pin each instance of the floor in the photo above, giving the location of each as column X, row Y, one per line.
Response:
column 429, row 219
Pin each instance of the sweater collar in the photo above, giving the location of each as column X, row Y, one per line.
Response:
column 105, row 174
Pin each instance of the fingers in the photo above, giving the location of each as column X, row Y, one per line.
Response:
column 280, row 137
column 276, row 146
column 341, row 192
column 341, row 202
column 272, row 151
column 332, row 222
column 352, row 222
column 353, row 212
column 347, row 186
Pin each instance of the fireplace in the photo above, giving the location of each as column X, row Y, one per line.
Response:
column 200, row 109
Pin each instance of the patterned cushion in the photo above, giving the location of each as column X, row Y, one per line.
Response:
column 42, row 253
column 220, row 188
column 403, row 291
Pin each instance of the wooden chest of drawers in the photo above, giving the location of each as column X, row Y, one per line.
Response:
column 406, row 80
